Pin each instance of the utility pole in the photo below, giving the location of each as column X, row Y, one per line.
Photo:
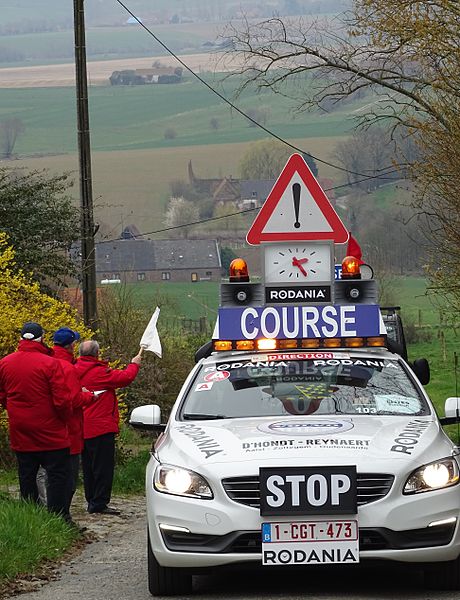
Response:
column 88, row 256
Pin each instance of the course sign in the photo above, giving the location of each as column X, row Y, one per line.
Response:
column 254, row 322
column 297, row 209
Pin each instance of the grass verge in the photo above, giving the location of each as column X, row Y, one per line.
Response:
column 130, row 475
column 29, row 535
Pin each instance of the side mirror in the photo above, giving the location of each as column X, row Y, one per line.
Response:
column 452, row 407
column 452, row 411
column 147, row 417
column 422, row 369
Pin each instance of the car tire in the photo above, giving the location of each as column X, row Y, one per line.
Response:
column 443, row 575
column 166, row 581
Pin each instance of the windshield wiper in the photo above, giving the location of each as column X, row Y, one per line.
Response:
column 201, row 417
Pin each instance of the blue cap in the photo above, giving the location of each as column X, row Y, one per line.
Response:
column 65, row 336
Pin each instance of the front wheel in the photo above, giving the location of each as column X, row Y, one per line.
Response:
column 166, row 581
column 442, row 575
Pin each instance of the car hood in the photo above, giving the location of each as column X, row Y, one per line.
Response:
column 362, row 440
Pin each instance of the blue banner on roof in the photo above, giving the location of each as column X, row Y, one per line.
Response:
column 254, row 322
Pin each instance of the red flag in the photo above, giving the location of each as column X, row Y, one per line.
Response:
column 354, row 249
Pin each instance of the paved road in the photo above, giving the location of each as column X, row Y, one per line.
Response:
column 114, row 568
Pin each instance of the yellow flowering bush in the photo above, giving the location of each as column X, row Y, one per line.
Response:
column 22, row 301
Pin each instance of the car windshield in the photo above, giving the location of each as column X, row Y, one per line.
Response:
column 251, row 388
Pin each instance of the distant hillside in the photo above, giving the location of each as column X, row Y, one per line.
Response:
column 108, row 12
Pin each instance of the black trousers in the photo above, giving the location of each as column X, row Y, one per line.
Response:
column 57, row 466
column 98, row 462
column 74, row 467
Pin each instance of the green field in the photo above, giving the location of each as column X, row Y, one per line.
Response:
column 103, row 43
column 42, row 32
column 136, row 117
column 133, row 163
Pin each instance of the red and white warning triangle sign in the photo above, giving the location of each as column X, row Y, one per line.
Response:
column 297, row 209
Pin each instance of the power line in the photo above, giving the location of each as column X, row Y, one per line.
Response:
column 241, row 112
column 210, row 219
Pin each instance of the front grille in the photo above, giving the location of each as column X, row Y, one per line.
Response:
column 245, row 490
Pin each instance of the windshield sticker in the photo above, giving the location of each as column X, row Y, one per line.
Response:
column 397, row 404
column 363, row 362
column 306, row 443
column 217, row 376
column 305, row 427
column 365, row 406
column 204, row 387
column 409, row 436
column 302, row 356
column 205, row 443
column 249, row 365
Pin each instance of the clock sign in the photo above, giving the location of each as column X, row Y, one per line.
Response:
column 296, row 272
column 298, row 262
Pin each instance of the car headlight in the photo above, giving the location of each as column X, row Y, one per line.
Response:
column 434, row 476
column 170, row 479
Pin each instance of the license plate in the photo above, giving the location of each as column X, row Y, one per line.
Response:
column 310, row 542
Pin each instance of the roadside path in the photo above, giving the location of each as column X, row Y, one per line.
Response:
column 113, row 566
column 114, row 558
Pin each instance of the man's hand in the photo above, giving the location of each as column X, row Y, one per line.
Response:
column 138, row 358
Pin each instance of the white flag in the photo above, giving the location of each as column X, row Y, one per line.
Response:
column 150, row 339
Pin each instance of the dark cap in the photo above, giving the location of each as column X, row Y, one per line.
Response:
column 31, row 331
column 65, row 336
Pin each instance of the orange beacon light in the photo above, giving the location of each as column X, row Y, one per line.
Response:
column 238, row 270
column 351, row 268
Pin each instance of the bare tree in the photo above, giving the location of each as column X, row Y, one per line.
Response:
column 368, row 151
column 264, row 160
column 409, row 67
column 179, row 213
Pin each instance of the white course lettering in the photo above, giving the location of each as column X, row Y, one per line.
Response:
column 290, row 333
column 328, row 315
column 249, row 334
column 347, row 320
column 263, row 323
column 310, row 316
column 299, row 321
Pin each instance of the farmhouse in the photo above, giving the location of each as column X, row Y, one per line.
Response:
column 221, row 189
column 245, row 193
column 156, row 74
column 137, row 259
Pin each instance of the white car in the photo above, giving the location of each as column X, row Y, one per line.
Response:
column 301, row 457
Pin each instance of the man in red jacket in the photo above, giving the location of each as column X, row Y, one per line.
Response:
column 34, row 392
column 101, row 423
column 64, row 343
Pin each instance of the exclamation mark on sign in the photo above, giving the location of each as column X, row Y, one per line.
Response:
column 296, row 196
